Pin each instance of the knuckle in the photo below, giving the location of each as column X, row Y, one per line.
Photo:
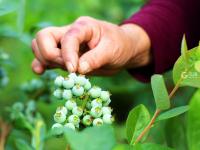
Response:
column 44, row 31
column 39, row 34
column 93, row 62
column 74, row 30
column 83, row 20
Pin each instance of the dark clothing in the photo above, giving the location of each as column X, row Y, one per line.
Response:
column 165, row 21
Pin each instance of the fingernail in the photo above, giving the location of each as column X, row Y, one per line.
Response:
column 84, row 67
column 70, row 67
column 38, row 70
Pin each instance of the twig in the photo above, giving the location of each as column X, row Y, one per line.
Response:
column 148, row 127
column 68, row 147
column 156, row 114
column 175, row 88
column 5, row 129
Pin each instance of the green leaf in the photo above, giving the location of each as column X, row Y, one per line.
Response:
column 175, row 133
column 123, row 147
column 150, row 146
column 6, row 8
column 21, row 16
column 173, row 113
column 22, row 122
column 188, row 74
column 91, row 138
column 137, row 120
column 184, row 49
column 22, row 145
column 11, row 139
column 193, row 123
column 38, row 135
column 160, row 92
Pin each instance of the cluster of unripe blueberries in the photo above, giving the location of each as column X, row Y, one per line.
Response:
column 85, row 105
column 27, row 111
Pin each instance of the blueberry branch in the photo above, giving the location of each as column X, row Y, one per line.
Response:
column 157, row 112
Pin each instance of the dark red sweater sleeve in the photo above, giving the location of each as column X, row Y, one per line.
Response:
column 165, row 22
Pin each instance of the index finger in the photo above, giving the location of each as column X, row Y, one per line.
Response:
column 81, row 31
column 47, row 41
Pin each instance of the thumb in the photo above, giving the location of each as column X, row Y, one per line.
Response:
column 37, row 66
column 93, row 59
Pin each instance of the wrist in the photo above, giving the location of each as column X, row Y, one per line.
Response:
column 139, row 45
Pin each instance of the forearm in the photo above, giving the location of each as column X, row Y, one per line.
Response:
column 139, row 43
column 164, row 22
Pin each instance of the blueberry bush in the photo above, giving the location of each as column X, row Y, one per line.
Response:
column 60, row 110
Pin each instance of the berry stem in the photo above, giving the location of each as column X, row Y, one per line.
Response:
column 156, row 114
column 85, row 100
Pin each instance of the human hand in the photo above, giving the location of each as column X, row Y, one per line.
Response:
column 111, row 47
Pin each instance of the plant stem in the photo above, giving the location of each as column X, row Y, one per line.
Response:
column 156, row 114
column 175, row 88
column 68, row 147
column 5, row 129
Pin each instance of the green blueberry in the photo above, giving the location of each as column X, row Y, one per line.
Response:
column 105, row 96
column 57, row 129
column 74, row 119
column 108, row 119
column 67, row 94
column 95, row 92
column 59, row 117
column 68, row 83
column 87, row 85
column 88, row 105
column 69, row 126
column 80, row 80
column 70, row 104
column 18, row 106
column 36, row 84
column 96, row 112
column 31, row 105
column 58, row 93
column 87, row 120
column 62, row 109
column 59, row 81
column 78, row 90
column 96, row 102
column 72, row 76
column 106, row 110
column 97, row 122
column 77, row 111
column 107, row 102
